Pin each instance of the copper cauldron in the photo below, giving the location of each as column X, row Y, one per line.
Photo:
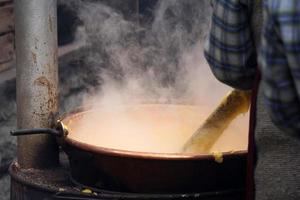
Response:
column 132, row 171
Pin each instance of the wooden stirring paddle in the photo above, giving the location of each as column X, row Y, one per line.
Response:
column 233, row 104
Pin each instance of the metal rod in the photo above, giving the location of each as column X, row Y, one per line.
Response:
column 37, row 80
column 36, row 131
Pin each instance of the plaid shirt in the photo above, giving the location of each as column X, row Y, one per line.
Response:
column 280, row 61
column 230, row 52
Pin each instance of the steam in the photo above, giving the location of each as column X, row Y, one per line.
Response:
column 158, row 62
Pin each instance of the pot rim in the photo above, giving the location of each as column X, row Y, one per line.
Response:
column 150, row 155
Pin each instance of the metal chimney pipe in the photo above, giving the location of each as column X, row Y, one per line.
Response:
column 37, row 79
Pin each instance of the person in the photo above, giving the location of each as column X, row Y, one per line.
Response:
column 239, row 40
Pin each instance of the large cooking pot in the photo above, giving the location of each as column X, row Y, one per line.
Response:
column 131, row 171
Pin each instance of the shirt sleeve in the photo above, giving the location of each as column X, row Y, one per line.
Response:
column 280, row 58
column 229, row 49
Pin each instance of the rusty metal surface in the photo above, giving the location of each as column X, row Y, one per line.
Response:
column 35, row 184
column 37, row 77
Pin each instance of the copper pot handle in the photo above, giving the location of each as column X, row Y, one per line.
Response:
column 60, row 130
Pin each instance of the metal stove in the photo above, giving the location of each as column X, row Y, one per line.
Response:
column 56, row 183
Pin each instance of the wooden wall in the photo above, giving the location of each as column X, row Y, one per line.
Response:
column 6, row 35
column 7, row 55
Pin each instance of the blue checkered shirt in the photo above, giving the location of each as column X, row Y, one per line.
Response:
column 280, row 61
column 230, row 50
column 231, row 54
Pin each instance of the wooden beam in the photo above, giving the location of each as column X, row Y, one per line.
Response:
column 6, row 48
column 4, row 67
column 6, row 19
column 5, row 1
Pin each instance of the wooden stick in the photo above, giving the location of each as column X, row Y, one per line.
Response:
column 233, row 104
